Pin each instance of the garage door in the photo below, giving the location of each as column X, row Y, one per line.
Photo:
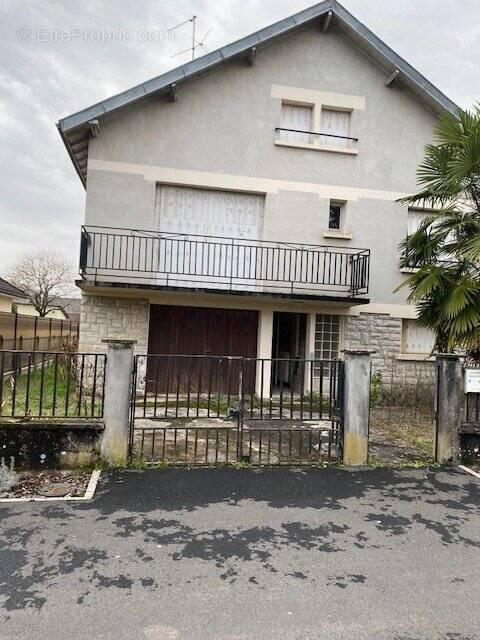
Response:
column 194, row 330
column 209, row 212
column 198, row 331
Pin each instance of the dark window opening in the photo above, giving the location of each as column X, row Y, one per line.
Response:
column 335, row 215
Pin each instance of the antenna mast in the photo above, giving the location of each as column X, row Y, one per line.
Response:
column 193, row 20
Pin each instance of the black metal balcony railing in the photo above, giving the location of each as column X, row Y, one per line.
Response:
column 326, row 138
column 179, row 260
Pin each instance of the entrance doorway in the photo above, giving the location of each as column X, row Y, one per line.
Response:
column 288, row 348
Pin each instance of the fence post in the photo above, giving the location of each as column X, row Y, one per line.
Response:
column 116, row 410
column 448, row 407
column 356, row 407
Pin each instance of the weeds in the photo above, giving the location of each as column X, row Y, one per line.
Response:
column 8, row 476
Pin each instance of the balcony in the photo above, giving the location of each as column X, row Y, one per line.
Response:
column 158, row 260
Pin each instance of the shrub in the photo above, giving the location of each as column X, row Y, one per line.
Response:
column 8, row 475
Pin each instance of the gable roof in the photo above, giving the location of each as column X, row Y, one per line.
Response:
column 9, row 290
column 71, row 307
column 75, row 129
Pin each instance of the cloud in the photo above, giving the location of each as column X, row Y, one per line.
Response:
column 54, row 62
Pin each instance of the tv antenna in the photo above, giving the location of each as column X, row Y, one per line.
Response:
column 196, row 44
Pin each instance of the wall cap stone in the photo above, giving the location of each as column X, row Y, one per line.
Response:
column 119, row 343
column 358, row 352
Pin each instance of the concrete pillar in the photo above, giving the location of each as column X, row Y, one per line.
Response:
column 309, row 349
column 356, row 407
column 116, row 410
column 264, row 350
column 448, row 413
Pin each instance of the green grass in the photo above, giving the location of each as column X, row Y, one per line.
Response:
column 51, row 395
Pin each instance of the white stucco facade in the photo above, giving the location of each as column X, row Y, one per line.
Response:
column 221, row 134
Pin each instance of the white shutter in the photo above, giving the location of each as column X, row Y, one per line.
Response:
column 335, row 123
column 415, row 219
column 417, row 339
column 209, row 212
column 296, row 117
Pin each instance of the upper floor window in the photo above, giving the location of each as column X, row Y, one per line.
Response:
column 336, row 127
column 296, row 123
column 415, row 219
column 335, row 215
column 317, row 120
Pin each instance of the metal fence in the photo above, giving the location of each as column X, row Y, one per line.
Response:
column 46, row 384
column 32, row 333
column 402, row 414
column 208, row 409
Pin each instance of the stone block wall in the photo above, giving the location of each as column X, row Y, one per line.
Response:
column 383, row 334
column 118, row 318
column 56, row 445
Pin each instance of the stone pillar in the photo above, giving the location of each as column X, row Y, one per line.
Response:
column 309, row 349
column 448, row 408
column 264, row 350
column 116, row 410
column 356, row 407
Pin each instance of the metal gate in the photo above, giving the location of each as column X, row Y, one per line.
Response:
column 195, row 409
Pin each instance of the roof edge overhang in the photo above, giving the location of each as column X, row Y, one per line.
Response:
column 79, row 123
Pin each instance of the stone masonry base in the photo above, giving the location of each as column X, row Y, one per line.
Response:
column 383, row 335
column 115, row 318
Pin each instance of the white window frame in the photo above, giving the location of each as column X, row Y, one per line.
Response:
column 317, row 102
column 326, row 348
column 421, row 214
column 341, row 204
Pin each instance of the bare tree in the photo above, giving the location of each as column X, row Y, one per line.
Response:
column 45, row 275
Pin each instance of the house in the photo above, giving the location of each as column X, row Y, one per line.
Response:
column 245, row 203
column 61, row 309
column 26, row 308
column 9, row 295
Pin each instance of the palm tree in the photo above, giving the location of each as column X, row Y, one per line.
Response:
column 444, row 253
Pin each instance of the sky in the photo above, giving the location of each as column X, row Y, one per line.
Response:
column 59, row 56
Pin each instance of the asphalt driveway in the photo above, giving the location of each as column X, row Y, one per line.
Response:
column 226, row 554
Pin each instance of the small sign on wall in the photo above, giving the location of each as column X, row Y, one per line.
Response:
column 472, row 380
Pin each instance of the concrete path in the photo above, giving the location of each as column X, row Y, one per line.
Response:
column 231, row 554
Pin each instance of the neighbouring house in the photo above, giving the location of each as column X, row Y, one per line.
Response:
column 26, row 308
column 71, row 307
column 245, row 203
column 22, row 328
column 9, row 296
column 62, row 309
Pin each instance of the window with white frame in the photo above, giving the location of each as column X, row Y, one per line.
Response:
column 416, row 339
column 415, row 219
column 335, row 215
column 336, row 126
column 327, row 339
column 296, row 123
